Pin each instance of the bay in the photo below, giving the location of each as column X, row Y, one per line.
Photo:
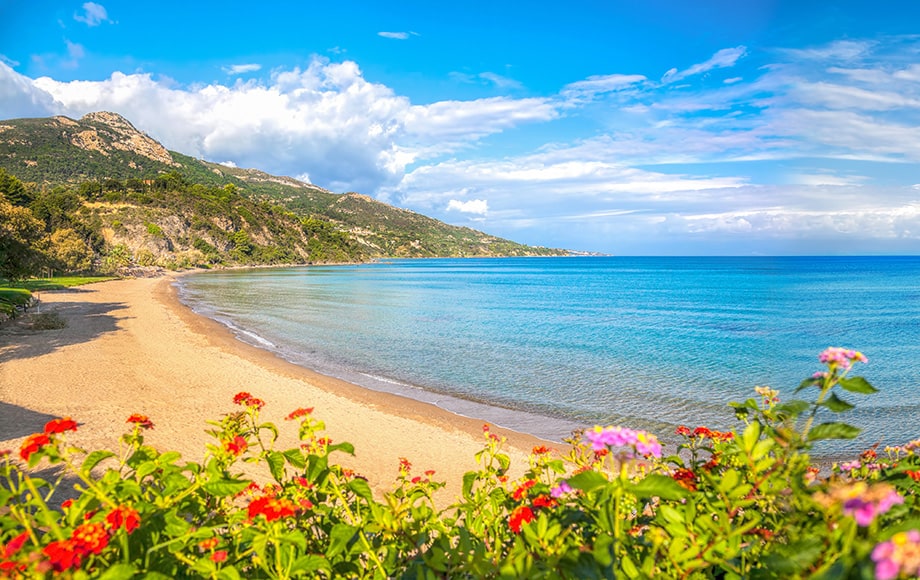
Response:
column 546, row 345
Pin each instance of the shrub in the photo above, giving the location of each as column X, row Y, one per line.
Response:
column 745, row 503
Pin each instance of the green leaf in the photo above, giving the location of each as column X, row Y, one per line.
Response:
column 119, row 572
column 228, row 573
column 750, row 436
column 469, row 478
column 657, row 485
column 225, row 487
column 311, row 563
column 295, row 458
column 833, row 431
column 93, row 459
column 810, row 382
column 857, row 385
column 588, row 481
column 275, row 462
column 344, row 446
column 339, row 538
column 793, row 408
column 836, row 404
column 361, row 488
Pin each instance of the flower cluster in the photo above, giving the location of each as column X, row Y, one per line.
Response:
column 246, row 400
column 843, row 358
column 898, row 556
column 644, row 443
column 297, row 413
column 862, row 501
column 89, row 538
column 705, row 433
column 35, row 442
column 272, row 507
column 141, row 421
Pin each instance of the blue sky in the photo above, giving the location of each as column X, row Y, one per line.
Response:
column 652, row 127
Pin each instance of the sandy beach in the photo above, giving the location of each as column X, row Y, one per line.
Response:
column 130, row 347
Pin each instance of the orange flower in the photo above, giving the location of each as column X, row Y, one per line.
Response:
column 124, row 516
column 915, row 475
column 60, row 425
column 544, row 501
column 520, row 516
column 141, row 421
column 299, row 413
column 686, row 478
column 540, row 450
column 32, row 444
column 520, row 492
column 683, row 430
column 271, row 507
column 702, row 432
column 90, row 538
column 236, row 446
column 208, row 544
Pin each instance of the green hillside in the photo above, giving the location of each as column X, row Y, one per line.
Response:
column 134, row 203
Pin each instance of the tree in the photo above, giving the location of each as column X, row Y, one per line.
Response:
column 14, row 190
column 69, row 252
column 19, row 234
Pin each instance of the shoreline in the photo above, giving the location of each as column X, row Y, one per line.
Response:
column 131, row 346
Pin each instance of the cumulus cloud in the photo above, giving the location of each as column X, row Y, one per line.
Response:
column 93, row 14
column 725, row 58
column 20, row 98
column 474, row 206
column 236, row 69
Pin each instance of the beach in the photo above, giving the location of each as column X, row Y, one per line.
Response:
column 131, row 347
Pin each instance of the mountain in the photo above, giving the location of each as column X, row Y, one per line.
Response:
column 119, row 188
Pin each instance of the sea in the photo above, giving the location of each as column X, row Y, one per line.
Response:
column 549, row 345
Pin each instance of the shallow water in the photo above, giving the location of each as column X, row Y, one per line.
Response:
column 544, row 345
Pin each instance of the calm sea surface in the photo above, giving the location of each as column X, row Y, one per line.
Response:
column 545, row 345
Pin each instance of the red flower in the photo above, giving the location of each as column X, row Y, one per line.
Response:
column 520, row 516
column 14, row 545
column 254, row 402
column 60, row 425
column 32, row 444
column 219, row 556
column 915, row 475
column 141, row 421
column 522, row 491
column 208, row 544
column 271, row 507
column 404, row 465
column 702, row 432
column 90, row 538
column 544, row 501
column 236, row 446
column 540, row 450
column 63, row 555
column 722, row 435
column 124, row 516
column 303, row 482
column 686, row 478
column 299, row 413
column 241, row 398
column 683, row 430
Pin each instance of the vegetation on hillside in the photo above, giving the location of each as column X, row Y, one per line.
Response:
column 739, row 504
column 110, row 198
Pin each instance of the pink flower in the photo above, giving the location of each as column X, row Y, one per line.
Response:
column 642, row 442
column 899, row 555
column 561, row 489
column 842, row 357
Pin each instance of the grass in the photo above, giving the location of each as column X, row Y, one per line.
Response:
column 10, row 298
column 45, row 284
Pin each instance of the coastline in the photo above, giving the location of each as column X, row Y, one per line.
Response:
column 131, row 346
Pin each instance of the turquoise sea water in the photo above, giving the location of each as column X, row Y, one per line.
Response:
column 544, row 345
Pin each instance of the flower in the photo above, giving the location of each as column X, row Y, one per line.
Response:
column 271, row 507
column 141, row 421
column 520, row 516
column 241, row 398
column 32, row 444
column 236, row 446
column 862, row 502
column 682, row 430
column 219, row 556
column 521, row 491
column 90, row 537
column 60, row 425
column 544, row 501
column 561, row 489
column 63, row 555
column 404, row 465
column 208, row 544
column 296, row 413
column 124, row 516
column 643, row 442
column 835, row 356
column 685, row 478
column 540, row 450
column 13, row 545
column 899, row 555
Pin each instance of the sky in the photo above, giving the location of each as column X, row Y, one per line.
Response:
column 621, row 127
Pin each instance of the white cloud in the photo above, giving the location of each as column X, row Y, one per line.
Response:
column 474, row 206
column 725, row 58
column 733, row 80
column 395, row 35
column 93, row 14
column 838, row 51
column 599, row 84
column 230, row 164
column 20, row 98
column 488, row 78
column 236, row 69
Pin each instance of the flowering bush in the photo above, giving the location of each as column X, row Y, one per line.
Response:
column 745, row 503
